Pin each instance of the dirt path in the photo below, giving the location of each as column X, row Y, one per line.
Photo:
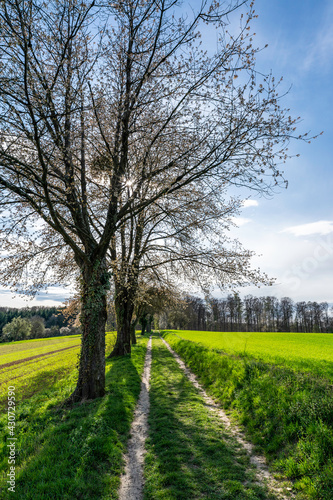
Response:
column 263, row 473
column 131, row 486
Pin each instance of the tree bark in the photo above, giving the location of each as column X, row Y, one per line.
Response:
column 124, row 306
column 91, row 380
column 133, row 336
column 143, row 322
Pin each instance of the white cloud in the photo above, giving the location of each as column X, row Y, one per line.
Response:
column 321, row 227
column 59, row 290
column 10, row 299
column 303, row 267
column 250, row 203
column 240, row 221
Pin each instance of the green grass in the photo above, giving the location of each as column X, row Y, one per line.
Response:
column 52, row 359
column 287, row 413
column 73, row 453
column 189, row 455
column 303, row 351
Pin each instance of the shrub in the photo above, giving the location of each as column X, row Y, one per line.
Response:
column 18, row 329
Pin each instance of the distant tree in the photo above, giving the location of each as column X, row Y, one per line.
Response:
column 249, row 312
column 287, row 310
column 56, row 320
column 37, row 327
column 65, row 330
column 178, row 319
column 18, row 329
column 271, row 309
column 153, row 298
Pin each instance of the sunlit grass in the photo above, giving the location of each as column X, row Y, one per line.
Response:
column 286, row 412
column 31, row 375
column 306, row 351
column 73, row 453
column 13, row 351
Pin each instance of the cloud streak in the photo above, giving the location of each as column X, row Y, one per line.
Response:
column 321, row 49
column 322, row 227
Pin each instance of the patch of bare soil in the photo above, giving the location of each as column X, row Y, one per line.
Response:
column 131, row 487
column 263, row 474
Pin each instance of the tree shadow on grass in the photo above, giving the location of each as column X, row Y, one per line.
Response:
column 189, row 454
column 75, row 453
column 41, row 381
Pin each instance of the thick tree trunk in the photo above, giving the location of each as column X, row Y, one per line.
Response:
column 124, row 306
column 91, row 382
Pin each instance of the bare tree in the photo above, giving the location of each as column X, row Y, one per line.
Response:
column 94, row 97
column 178, row 237
column 287, row 310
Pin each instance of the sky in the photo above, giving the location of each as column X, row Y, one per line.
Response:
column 292, row 231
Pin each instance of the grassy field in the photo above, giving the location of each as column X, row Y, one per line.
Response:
column 34, row 364
column 286, row 408
column 285, row 405
column 66, row 453
column 190, row 456
column 306, row 351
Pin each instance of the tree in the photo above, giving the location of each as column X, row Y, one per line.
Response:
column 153, row 297
column 94, row 96
column 18, row 329
column 287, row 310
column 37, row 327
column 176, row 239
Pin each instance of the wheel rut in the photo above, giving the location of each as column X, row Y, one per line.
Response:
column 131, row 486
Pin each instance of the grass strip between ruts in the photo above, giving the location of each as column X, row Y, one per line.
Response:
column 189, row 454
column 74, row 453
column 286, row 413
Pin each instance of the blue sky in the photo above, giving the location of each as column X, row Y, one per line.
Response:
column 293, row 231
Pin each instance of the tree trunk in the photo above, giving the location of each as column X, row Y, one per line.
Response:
column 124, row 306
column 133, row 336
column 91, row 381
column 143, row 323
column 148, row 327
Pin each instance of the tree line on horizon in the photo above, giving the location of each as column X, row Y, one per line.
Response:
column 188, row 312
column 34, row 322
column 248, row 314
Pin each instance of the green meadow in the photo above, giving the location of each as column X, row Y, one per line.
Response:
column 305, row 351
column 31, row 365
column 279, row 388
